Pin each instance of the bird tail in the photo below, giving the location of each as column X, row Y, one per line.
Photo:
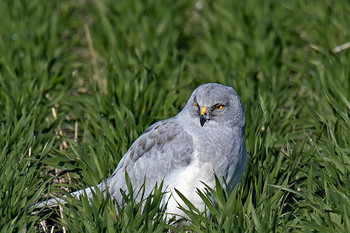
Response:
column 62, row 200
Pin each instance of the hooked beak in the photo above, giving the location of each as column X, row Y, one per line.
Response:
column 204, row 117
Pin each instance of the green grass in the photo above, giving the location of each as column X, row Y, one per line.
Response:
column 105, row 70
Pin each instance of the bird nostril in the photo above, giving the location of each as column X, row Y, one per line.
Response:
column 204, row 111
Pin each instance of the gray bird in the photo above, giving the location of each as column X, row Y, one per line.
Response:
column 204, row 139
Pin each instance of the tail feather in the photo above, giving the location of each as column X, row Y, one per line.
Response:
column 61, row 200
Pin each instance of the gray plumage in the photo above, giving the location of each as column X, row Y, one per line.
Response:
column 205, row 138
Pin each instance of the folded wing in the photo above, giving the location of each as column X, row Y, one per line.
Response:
column 163, row 148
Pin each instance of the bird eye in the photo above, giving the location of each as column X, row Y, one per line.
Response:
column 219, row 106
column 195, row 104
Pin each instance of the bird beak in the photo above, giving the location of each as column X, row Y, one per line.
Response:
column 203, row 118
column 204, row 110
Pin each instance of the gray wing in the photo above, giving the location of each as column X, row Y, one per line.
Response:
column 161, row 149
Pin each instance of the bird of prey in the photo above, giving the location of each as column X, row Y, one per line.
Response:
column 203, row 140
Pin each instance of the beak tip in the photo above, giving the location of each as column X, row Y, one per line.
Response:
column 202, row 120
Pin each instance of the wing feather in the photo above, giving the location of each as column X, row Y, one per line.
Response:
column 162, row 148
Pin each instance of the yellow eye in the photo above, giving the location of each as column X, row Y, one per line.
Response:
column 219, row 106
column 195, row 104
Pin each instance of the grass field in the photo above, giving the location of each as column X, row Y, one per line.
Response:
column 81, row 80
